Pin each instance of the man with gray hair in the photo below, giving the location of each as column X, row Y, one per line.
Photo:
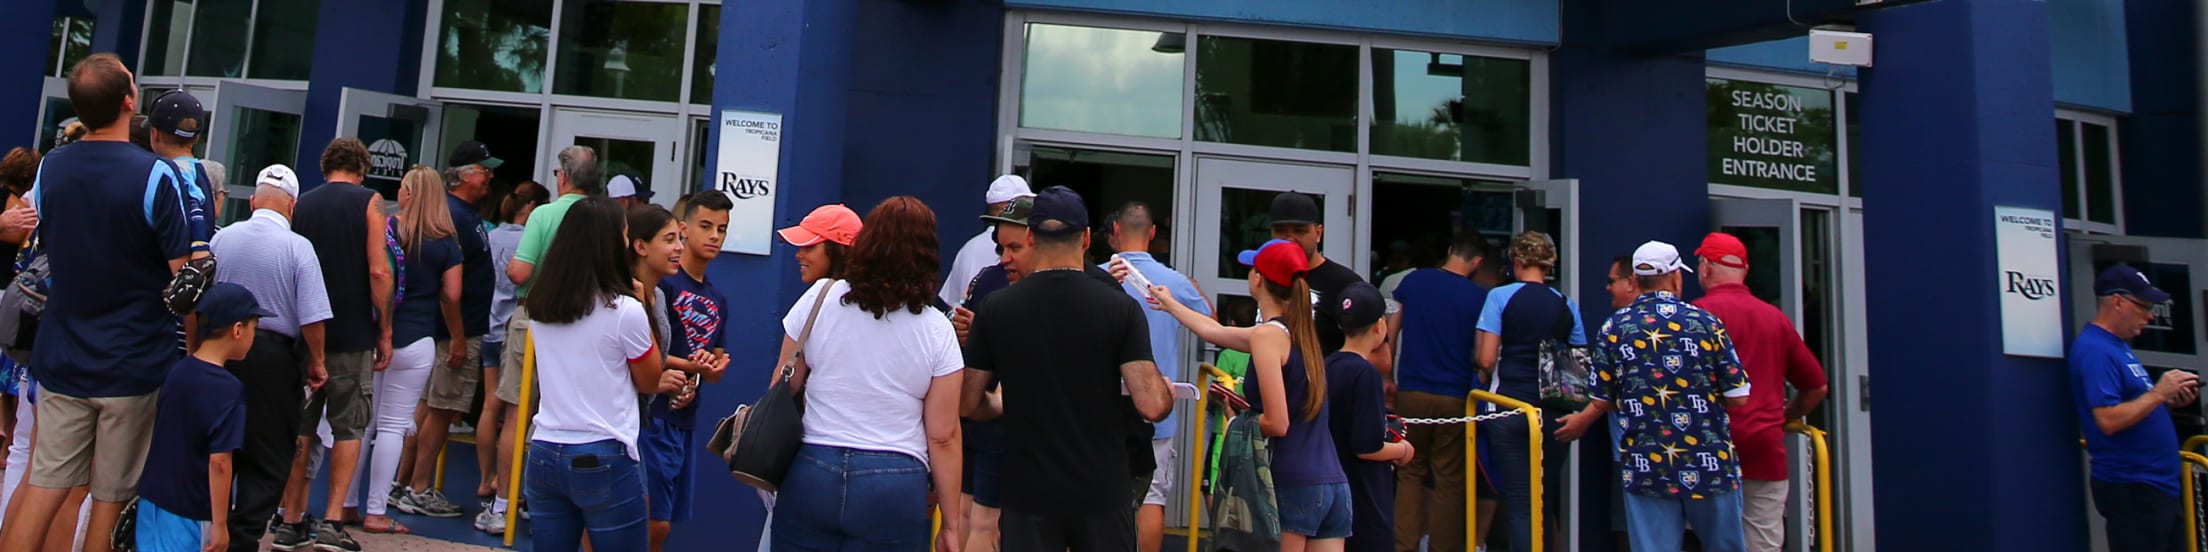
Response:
column 578, row 177
column 262, row 254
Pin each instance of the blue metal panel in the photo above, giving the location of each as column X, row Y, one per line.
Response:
column 26, row 29
column 2161, row 139
column 373, row 45
column 1527, row 21
column 2090, row 53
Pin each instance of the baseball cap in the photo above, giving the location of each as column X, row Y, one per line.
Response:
column 1657, row 258
column 281, row 177
column 473, row 153
column 226, row 303
column 1361, row 306
column 1719, row 245
column 2125, row 280
column 833, row 222
column 1007, row 188
column 621, row 186
column 177, row 113
column 1279, row 261
column 1061, row 204
column 1016, row 212
column 1294, row 208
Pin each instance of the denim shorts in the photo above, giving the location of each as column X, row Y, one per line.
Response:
column 1315, row 511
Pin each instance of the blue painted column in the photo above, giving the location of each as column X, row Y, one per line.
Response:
column 371, row 45
column 2161, row 140
column 121, row 28
column 25, row 29
column 1975, row 450
column 923, row 118
column 1631, row 128
column 791, row 57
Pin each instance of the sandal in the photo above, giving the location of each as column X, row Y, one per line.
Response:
column 392, row 527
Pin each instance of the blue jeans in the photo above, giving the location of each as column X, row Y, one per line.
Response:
column 836, row 498
column 1315, row 511
column 593, row 486
column 1658, row 523
column 1510, row 461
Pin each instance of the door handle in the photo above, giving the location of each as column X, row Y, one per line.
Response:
column 1863, row 392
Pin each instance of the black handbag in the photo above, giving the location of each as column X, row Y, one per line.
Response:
column 760, row 440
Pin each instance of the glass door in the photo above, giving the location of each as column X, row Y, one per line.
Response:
column 1771, row 228
column 400, row 131
column 53, row 109
column 1552, row 207
column 1236, row 197
column 640, row 146
column 253, row 127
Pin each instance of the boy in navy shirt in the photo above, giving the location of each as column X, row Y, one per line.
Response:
column 699, row 315
column 201, row 421
column 1359, row 422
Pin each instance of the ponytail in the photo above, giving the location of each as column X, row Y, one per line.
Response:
column 1303, row 335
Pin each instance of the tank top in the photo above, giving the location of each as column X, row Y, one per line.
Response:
column 333, row 217
column 1306, row 455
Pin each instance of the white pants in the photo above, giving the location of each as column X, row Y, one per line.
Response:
column 1763, row 514
column 398, row 389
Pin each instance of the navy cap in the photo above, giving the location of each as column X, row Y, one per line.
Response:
column 1361, row 305
column 1294, row 208
column 177, row 113
column 2125, row 280
column 473, row 153
column 1061, row 204
column 226, row 303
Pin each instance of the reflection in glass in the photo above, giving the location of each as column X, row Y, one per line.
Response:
column 262, row 138
column 49, row 128
column 1109, row 180
column 1451, row 107
column 699, row 142
column 393, row 145
column 220, row 50
column 73, row 39
column 627, row 50
column 1245, row 222
column 1818, row 295
column 1112, row 81
column 2066, row 159
column 2100, row 175
column 283, row 39
column 1277, row 93
column 493, row 44
column 708, row 49
column 1424, row 212
column 166, row 26
column 623, row 157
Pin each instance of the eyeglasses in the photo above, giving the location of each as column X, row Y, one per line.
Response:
column 2143, row 305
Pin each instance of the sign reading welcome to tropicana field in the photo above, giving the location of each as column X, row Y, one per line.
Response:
column 1771, row 136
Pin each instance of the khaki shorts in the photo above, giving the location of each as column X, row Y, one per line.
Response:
column 509, row 362
column 451, row 389
column 345, row 398
column 101, row 442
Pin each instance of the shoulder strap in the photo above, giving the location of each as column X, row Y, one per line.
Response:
column 807, row 333
column 1564, row 324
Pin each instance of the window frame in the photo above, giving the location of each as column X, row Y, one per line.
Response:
column 2076, row 119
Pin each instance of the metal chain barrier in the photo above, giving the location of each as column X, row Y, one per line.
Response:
column 1489, row 417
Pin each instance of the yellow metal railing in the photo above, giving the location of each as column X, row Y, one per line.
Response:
column 1472, row 474
column 2193, row 443
column 1198, row 459
column 521, row 433
column 1823, row 456
column 2192, row 500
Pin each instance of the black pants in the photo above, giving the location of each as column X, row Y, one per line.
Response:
column 1110, row 530
column 274, row 377
column 2141, row 517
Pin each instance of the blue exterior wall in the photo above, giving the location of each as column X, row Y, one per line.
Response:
column 1527, row 21
column 2161, row 140
column 2089, row 53
column 373, row 45
column 25, row 29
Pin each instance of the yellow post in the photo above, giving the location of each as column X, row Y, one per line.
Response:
column 2185, row 482
column 935, row 527
column 1824, row 481
column 439, row 482
column 2192, row 443
column 1196, row 471
column 521, row 432
column 1472, row 473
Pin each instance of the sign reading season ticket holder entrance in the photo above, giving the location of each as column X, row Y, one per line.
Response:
column 750, row 161
column 2027, row 265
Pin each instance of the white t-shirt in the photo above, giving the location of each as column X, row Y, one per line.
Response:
column 978, row 253
column 869, row 376
column 583, row 372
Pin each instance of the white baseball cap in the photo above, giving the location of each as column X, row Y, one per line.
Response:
column 621, row 186
column 1657, row 258
column 281, row 178
column 1007, row 188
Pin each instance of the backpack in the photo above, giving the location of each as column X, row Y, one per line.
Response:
column 1245, row 515
column 23, row 301
column 1564, row 369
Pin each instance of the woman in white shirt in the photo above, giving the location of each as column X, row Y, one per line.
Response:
column 881, row 382
column 591, row 338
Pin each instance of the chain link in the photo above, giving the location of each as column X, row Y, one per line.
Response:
column 1462, row 419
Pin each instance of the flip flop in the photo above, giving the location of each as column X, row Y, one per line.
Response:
column 394, row 529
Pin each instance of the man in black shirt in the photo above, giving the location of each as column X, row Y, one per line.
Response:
column 1296, row 218
column 1068, row 346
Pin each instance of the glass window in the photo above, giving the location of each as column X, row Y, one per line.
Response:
column 2066, row 159
column 493, row 44
column 623, row 157
column 283, row 39
column 220, row 52
column 1424, row 212
column 1451, row 107
column 708, row 50
column 700, row 143
column 1854, row 132
column 264, row 138
column 1245, row 222
column 1277, row 93
column 72, row 42
column 1110, row 180
column 166, row 28
column 630, row 50
column 1113, row 81
column 2100, row 174
column 1771, row 136
column 49, row 129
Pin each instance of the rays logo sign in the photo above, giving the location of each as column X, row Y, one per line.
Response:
column 750, row 161
column 2031, row 309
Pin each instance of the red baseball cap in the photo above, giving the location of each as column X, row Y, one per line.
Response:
column 833, row 222
column 1719, row 245
column 1279, row 261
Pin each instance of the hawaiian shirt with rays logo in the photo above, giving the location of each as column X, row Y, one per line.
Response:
column 1663, row 364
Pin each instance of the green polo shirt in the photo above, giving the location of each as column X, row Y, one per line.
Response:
column 536, row 237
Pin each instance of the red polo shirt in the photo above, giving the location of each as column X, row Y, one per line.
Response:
column 1771, row 350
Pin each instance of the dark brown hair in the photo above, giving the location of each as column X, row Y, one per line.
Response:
column 97, row 87
column 585, row 266
column 1303, row 335
column 18, row 170
column 894, row 261
column 709, row 200
column 345, row 154
column 525, row 194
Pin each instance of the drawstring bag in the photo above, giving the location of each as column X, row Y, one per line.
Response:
column 760, row 440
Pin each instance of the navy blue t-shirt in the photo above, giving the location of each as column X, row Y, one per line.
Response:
column 475, row 271
column 201, row 413
column 422, row 309
column 114, row 214
column 699, row 316
column 1521, row 315
column 1306, row 455
column 1441, row 315
column 2103, row 372
column 1357, row 418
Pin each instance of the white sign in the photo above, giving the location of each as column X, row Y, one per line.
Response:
column 2031, row 301
column 751, row 155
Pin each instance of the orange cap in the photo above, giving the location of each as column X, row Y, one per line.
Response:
column 833, row 222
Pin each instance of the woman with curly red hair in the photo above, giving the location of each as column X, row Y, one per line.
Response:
column 880, row 375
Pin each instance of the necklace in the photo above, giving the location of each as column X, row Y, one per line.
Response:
column 1065, row 268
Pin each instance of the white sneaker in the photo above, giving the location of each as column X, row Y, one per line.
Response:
column 490, row 522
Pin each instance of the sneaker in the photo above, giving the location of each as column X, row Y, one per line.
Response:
column 398, row 493
column 293, row 536
column 432, row 504
column 525, row 512
column 490, row 522
column 331, row 537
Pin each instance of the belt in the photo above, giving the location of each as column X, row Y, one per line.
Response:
column 278, row 339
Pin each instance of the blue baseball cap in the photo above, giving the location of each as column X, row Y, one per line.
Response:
column 226, row 303
column 177, row 113
column 1361, row 306
column 1061, row 204
column 2125, row 280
